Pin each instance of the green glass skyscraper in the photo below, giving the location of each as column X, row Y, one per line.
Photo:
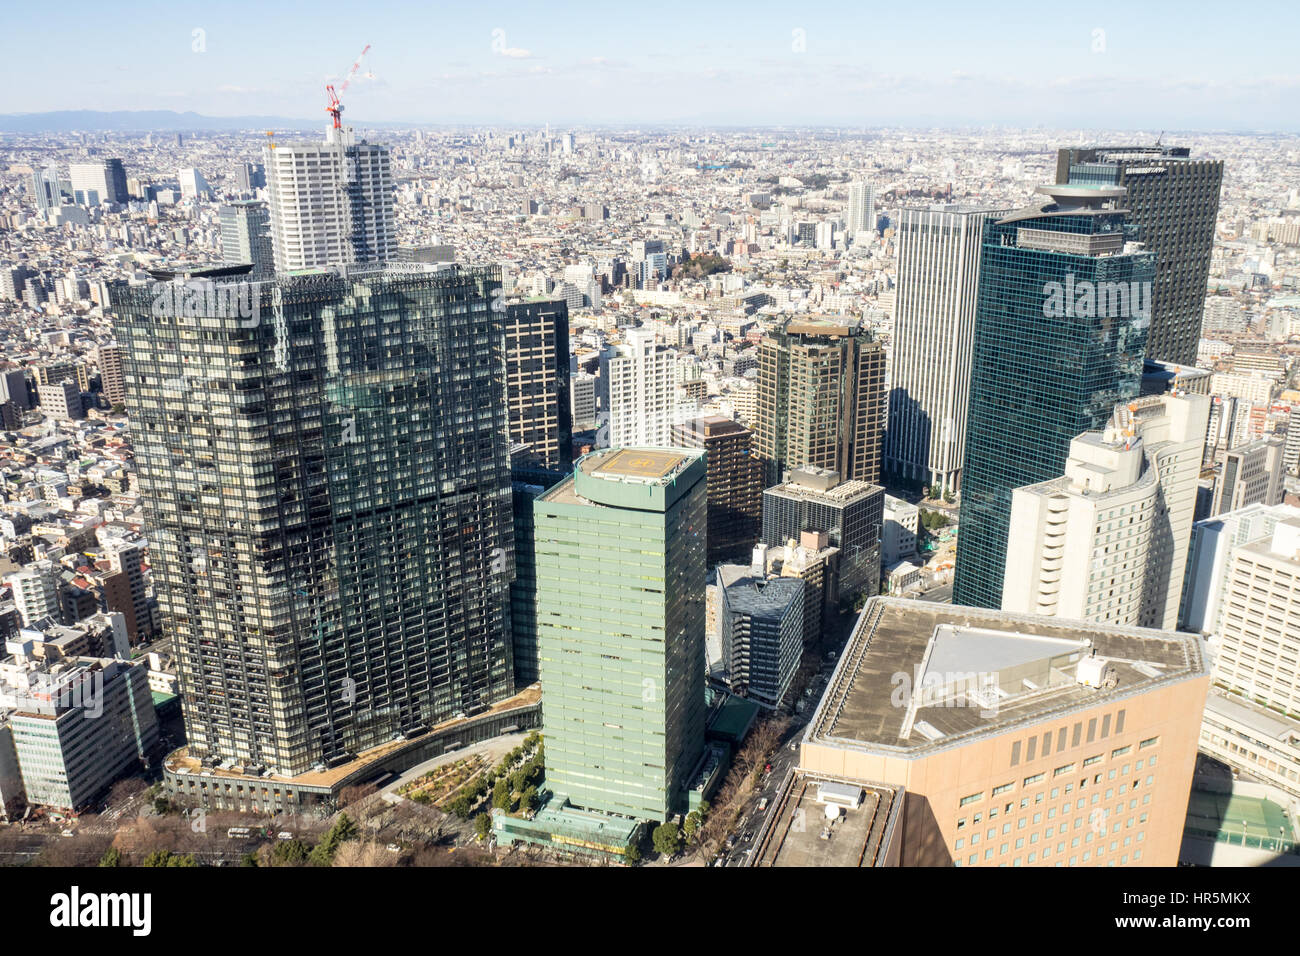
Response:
column 1060, row 331
column 325, row 467
column 620, row 565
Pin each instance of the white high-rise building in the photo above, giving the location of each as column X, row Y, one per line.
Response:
column 193, row 185
column 1258, row 635
column 36, row 592
column 1107, row 542
column 860, row 214
column 331, row 203
column 1242, row 585
column 1207, row 562
column 934, row 327
column 642, row 392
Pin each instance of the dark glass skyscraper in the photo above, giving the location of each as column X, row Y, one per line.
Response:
column 537, row 380
column 1060, row 330
column 1174, row 202
column 325, row 466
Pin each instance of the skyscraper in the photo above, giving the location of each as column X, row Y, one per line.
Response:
column 331, row 203
column 94, row 183
column 860, row 213
column 1107, row 541
column 45, row 188
column 620, row 614
column 193, row 185
column 735, row 483
column 1060, row 330
column 934, row 325
column 537, row 380
column 246, row 237
column 327, row 481
column 1174, row 201
column 821, row 400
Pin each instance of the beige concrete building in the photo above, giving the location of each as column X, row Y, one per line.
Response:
column 1019, row 740
column 1107, row 541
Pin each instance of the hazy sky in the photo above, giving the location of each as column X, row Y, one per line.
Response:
column 1137, row 64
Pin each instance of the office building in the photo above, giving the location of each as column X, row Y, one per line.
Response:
column 249, row 177
column 850, row 514
column 643, row 396
column 1252, row 474
column 47, row 188
column 61, row 401
column 582, row 401
column 193, row 185
column 1018, row 740
column 331, row 203
column 735, row 483
column 902, row 523
column 112, row 375
column 1107, row 541
column 620, row 555
column 821, row 400
column 934, row 325
column 353, row 584
column 762, row 630
column 538, row 405
column 78, row 725
column 13, row 388
column 1060, row 331
column 1174, row 201
column 246, row 237
column 101, row 182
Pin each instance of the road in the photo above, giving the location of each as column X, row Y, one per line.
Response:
column 939, row 595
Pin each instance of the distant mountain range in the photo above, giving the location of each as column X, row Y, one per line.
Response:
column 155, row 121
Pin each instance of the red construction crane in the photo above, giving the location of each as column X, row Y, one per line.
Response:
column 335, row 109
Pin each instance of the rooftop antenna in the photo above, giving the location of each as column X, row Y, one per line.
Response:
column 1160, row 137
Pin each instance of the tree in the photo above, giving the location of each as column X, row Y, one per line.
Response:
column 482, row 826
column 168, row 858
column 111, row 858
column 501, row 799
column 632, row 854
column 342, row 830
column 667, row 840
column 528, row 798
column 692, row 824
column 289, row 853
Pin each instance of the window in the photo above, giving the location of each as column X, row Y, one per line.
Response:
column 1149, row 742
column 1068, row 768
column 1003, row 789
column 973, row 798
column 1030, row 781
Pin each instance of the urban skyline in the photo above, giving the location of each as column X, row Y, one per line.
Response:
column 549, row 456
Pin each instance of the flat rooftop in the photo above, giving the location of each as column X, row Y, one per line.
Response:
column 801, row 835
column 972, row 671
column 640, row 463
